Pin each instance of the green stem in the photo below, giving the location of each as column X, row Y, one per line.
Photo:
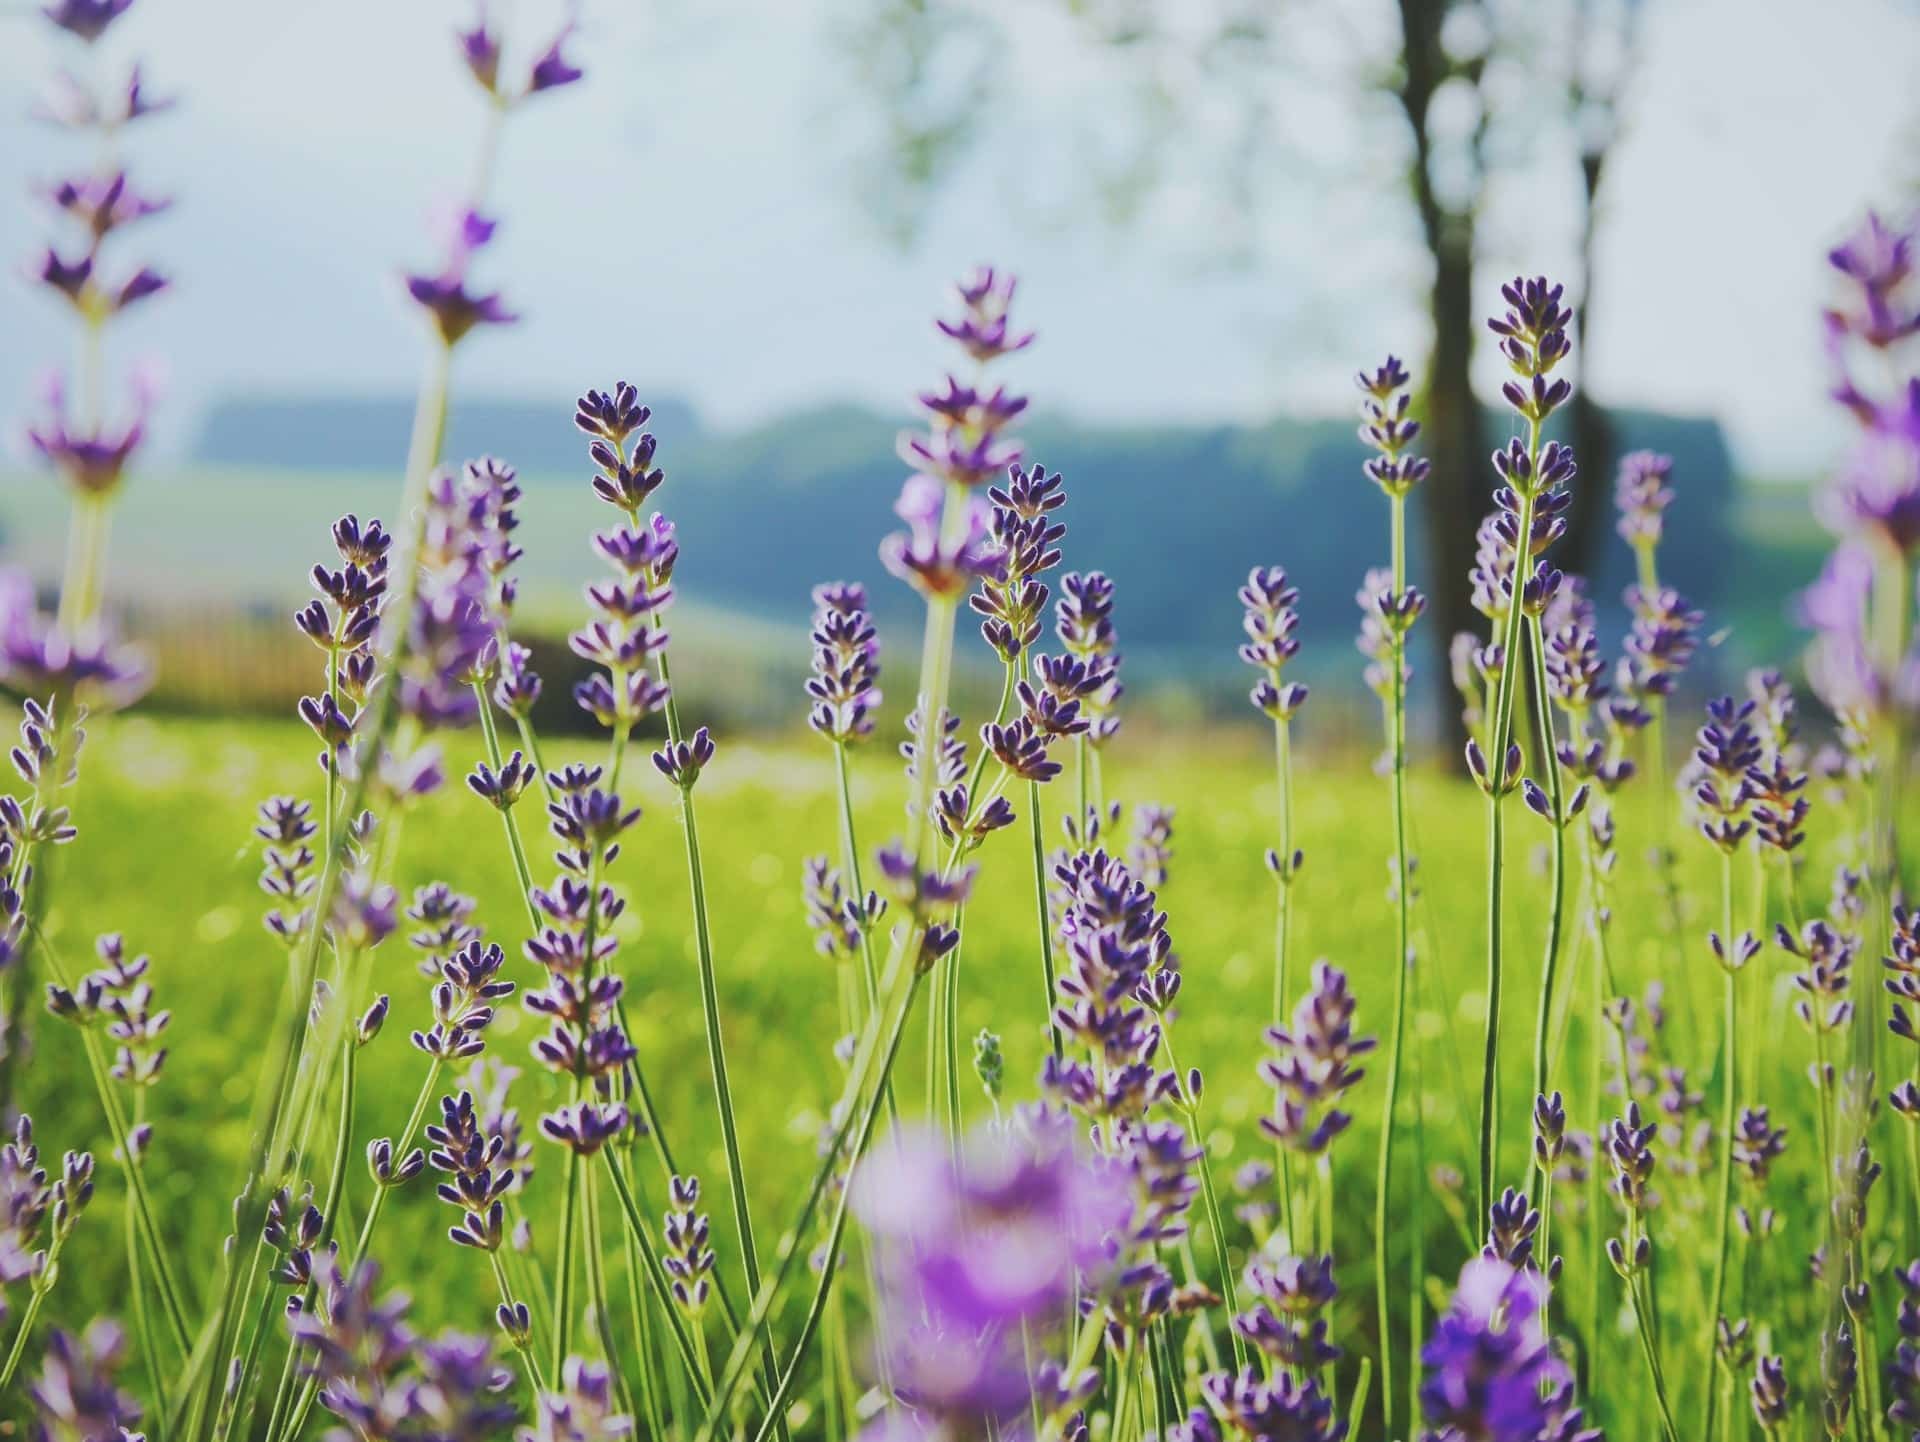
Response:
column 563, row 1305
column 867, row 1061
column 27, row 1318
column 1190, row 1105
column 1549, row 966
column 835, row 1234
column 407, row 1133
column 1729, row 1067
column 710, row 1009
column 1637, row 1292
column 850, row 858
column 643, row 1342
column 165, row 1284
column 1402, row 967
column 1283, row 915
column 429, row 428
column 657, row 1280
column 950, row 1026
column 935, row 672
column 521, row 870
column 1500, row 735
column 1040, row 912
column 596, row 1292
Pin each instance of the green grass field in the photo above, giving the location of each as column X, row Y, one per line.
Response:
column 167, row 857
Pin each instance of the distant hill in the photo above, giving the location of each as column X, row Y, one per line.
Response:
column 301, row 433
column 1176, row 514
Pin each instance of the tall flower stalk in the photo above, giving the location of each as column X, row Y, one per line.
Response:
column 1050, row 691
column 845, row 691
column 943, row 552
column 73, row 436
column 627, row 633
column 453, row 309
column 1533, row 338
column 1728, row 755
column 1390, row 614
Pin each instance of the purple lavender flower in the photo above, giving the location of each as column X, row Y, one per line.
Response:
column 101, row 204
column 1642, row 491
column 1152, row 851
column 984, row 330
column 1271, row 621
column 37, row 1212
column 480, row 49
column 87, row 20
column 971, row 1248
column 1533, row 338
column 1312, row 1069
column 118, row 997
column 1386, row 616
column 836, row 920
column 1026, row 540
column 1826, row 980
column 1113, row 940
column 287, row 875
column 1083, row 620
column 689, row 1259
column 1771, row 1394
column 1288, row 1318
column 1757, row 1144
column 581, row 1411
column 1491, row 1372
column 294, row 1229
column 1877, row 491
column 467, row 984
column 453, row 307
column 1280, row 1409
column 1877, row 259
column 947, row 545
column 382, row 1379
column 1726, row 753
column 75, row 1398
column 72, row 105
column 585, row 1127
column 845, row 684
column 90, row 461
column 1387, row 427
column 926, row 896
column 938, row 557
column 627, row 628
column 681, row 762
column 344, row 621
column 1662, row 641
column 477, row 1173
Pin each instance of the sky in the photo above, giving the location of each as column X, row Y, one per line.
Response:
column 698, row 216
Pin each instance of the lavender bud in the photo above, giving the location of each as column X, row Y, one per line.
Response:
column 372, row 1020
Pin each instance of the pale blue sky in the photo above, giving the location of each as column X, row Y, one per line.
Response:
column 689, row 216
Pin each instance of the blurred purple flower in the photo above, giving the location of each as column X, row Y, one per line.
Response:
column 87, row 19
column 90, row 461
column 936, row 558
column 1490, row 1370
column 973, row 1246
column 74, row 1398
column 454, row 308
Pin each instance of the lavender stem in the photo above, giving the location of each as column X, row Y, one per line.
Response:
column 1496, row 849
column 1558, row 842
column 835, row 1234
column 1729, row 1064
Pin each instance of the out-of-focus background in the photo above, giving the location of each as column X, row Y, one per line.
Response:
column 1219, row 210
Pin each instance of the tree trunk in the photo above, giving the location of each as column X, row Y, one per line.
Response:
column 1589, row 430
column 1460, row 490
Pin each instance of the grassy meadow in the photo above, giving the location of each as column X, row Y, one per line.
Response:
column 167, row 856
